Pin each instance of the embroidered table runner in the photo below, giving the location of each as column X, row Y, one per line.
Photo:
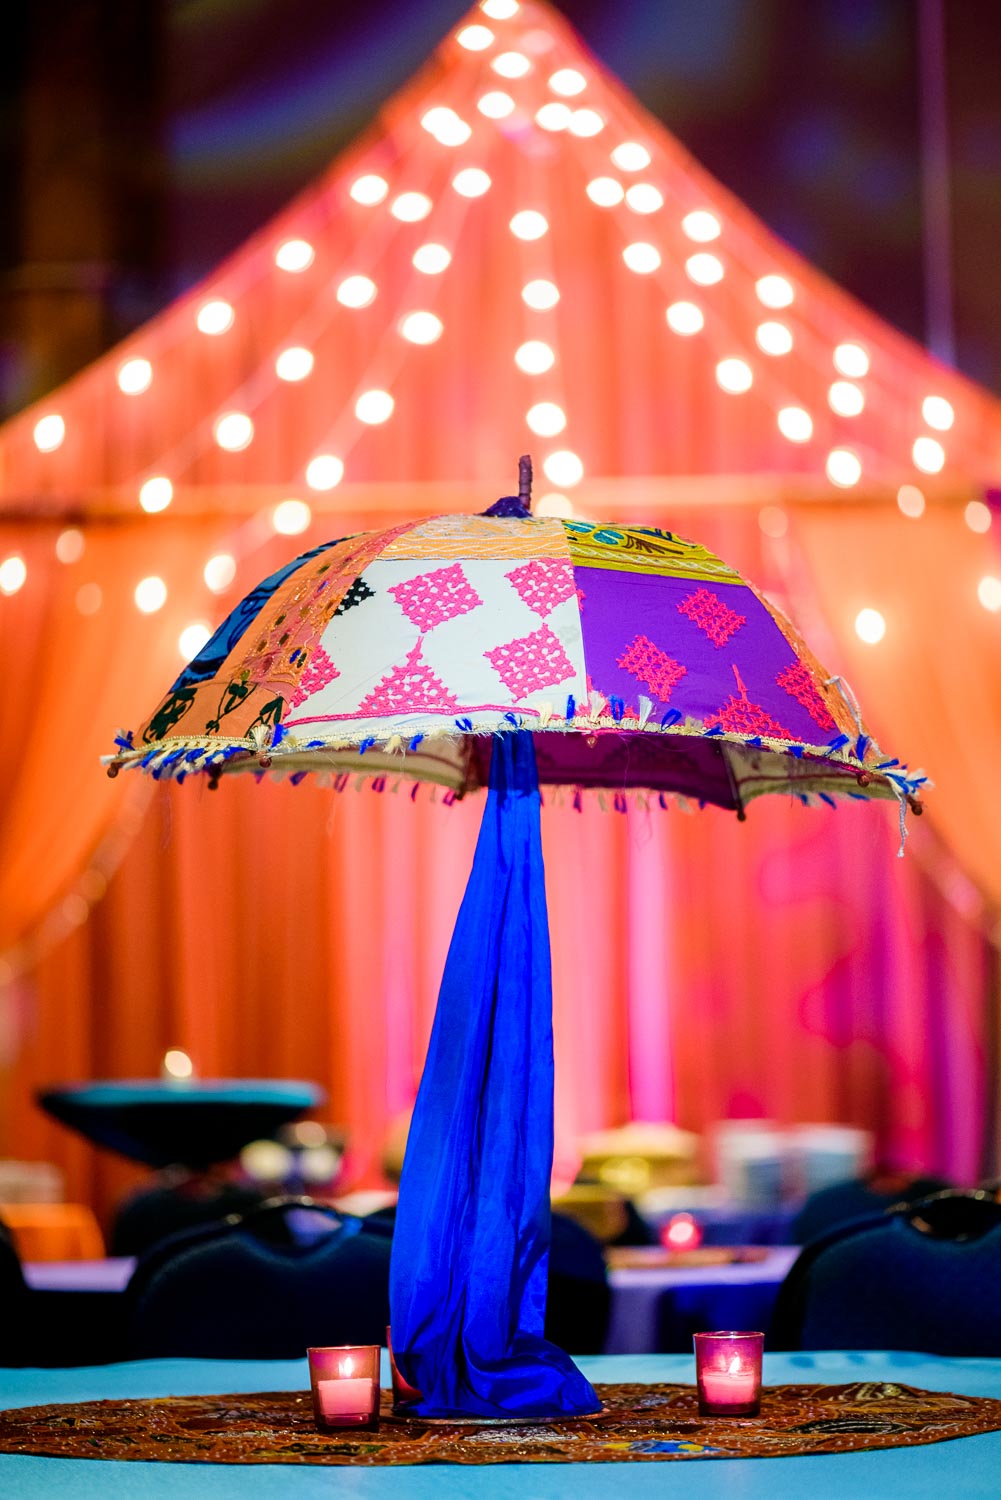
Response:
column 640, row 1423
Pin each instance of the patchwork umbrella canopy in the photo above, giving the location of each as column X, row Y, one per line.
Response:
column 637, row 659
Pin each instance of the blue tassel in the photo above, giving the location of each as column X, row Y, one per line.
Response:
column 755, row 740
column 315, row 745
column 366, row 744
column 662, row 800
column 578, row 800
column 416, row 788
column 278, row 736
column 379, row 784
column 861, row 746
column 464, row 724
column 838, row 743
column 415, row 742
column 124, row 741
column 296, row 777
column 618, row 708
column 796, row 750
column 571, row 706
column 511, row 719
column 179, row 778
column 192, row 756
column 671, row 717
column 885, row 765
column 716, row 729
column 619, row 803
column 825, row 797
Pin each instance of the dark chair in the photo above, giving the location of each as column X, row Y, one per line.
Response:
column 924, row 1276
column 178, row 1200
column 858, row 1198
column 15, row 1299
column 263, row 1285
column 579, row 1300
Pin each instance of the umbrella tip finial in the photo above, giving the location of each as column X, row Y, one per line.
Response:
column 525, row 480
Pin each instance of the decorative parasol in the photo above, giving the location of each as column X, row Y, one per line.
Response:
column 507, row 650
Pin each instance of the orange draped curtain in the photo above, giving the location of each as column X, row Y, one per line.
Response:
column 789, row 966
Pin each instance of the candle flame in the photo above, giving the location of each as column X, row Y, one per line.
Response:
column 349, row 1364
column 733, row 1368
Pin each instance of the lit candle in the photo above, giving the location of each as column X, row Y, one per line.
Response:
column 345, row 1384
column 728, row 1367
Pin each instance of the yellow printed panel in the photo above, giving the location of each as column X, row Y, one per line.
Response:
column 638, row 549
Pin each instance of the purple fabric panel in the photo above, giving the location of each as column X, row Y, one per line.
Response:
column 618, row 607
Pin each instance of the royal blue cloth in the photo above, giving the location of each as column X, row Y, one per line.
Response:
column 470, row 1260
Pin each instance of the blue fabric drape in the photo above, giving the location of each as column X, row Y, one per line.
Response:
column 471, row 1247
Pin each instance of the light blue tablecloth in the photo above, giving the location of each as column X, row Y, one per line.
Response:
column 968, row 1467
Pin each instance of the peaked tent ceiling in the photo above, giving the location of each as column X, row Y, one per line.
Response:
column 517, row 255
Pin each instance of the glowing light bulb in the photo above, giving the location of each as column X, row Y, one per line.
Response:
column 585, row 123
column 295, row 255
column 989, row 593
column 554, row 504
column 70, row 545
column 410, row 208
column 843, row 468
column 977, row 516
column 496, row 105
column 13, row 574
column 421, row 327
column 150, row 594
column 845, row 398
column 234, row 431
column 870, row 626
column 568, row 82
column 734, row 375
column 546, row 418
column 795, row 424
column 294, row 364
column 773, row 338
column 644, row 198
column 606, row 192
column 156, row 494
column 471, row 182
column 774, row 291
column 701, row 226
column 89, row 598
column 928, row 455
column 704, row 269
column 135, row 376
column 773, row 521
column 553, row 116
column 192, row 638
column 631, row 157
column 214, row 317
column 910, row 501
column 448, row 128
column 324, row 472
column 374, row 407
column 534, row 357
column 540, row 295
column 290, row 517
column 938, row 413
column 511, row 65
column 563, row 468
column 49, row 433
column 529, row 225
column 432, row 259
column 369, row 189
column 219, row 572
column 641, row 258
column 499, row 10
column 685, row 318
column 851, row 360
column 356, row 291
column 475, row 38
column 176, row 1064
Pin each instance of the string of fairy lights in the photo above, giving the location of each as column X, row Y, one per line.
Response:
column 513, row 49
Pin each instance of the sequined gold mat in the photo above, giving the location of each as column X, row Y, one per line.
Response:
column 640, row 1423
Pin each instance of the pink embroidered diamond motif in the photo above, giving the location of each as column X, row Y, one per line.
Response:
column 543, row 584
column 652, row 666
column 533, row 661
column 411, row 687
column 798, row 683
column 318, row 671
column 709, row 613
column 432, row 598
column 741, row 716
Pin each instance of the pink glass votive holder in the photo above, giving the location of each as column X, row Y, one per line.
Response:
column 728, row 1372
column 345, row 1385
